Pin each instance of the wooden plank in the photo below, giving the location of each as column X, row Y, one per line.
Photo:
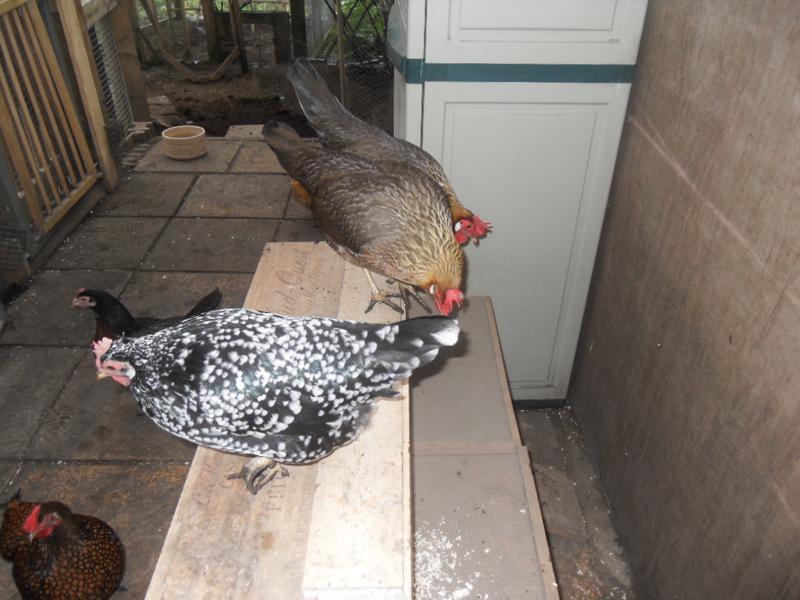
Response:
column 363, row 493
column 49, row 192
column 45, row 84
column 534, row 508
column 223, row 542
column 128, row 59
column 212, row 35
column 238, row 32
column 64, row 107
column 36, row 97
column 15, row 149
column 77, row 38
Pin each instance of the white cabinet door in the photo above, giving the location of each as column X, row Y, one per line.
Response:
column 535, row 159
column 534, row 31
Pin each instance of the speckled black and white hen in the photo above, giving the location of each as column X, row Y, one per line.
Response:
column 286, row 390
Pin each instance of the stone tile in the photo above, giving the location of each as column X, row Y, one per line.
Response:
column 257, row 196
column 256, row 157
column 219, row 157
column 94, row 420
column 295, row 210
column 168, row 293
column 136, row 500
column 245, row 132
column 211, row 245
column 44, row 315
column 8, row 470
column 30, row 380
column 146, row 194
column 107, row 243
column 299, row 231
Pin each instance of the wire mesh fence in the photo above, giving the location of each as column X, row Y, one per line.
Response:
column 112, row 81
column 349, row 51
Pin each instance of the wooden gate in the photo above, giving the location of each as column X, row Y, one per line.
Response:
column 46, row 145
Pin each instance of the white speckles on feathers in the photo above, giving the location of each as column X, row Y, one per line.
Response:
column 292, row 389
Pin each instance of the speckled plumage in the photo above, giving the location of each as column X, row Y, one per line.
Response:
column 82, row 559
column 288, row 389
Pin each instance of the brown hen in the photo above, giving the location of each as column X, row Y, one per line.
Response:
column 394, row 222
column 339, row 129
column 58, row 555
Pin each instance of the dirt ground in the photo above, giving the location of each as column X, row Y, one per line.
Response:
column 262, row 95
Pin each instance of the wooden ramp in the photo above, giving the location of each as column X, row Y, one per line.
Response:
column 339, row 529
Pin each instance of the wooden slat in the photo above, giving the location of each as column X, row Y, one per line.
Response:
column 9, row 5
column 69, row 201
column 363, row 493
column 24, row 57
column 45, row 84
column 534, row 507
column 64, row 108
column 210, row 550
column 16, row 153
column 338, row 529
column 48, row 190
column 77, row 36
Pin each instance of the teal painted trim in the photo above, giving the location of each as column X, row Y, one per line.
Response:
column 416, row 70
column 529, row 73
column 410, row 68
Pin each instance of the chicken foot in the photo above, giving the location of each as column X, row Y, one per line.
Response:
column 412, row 292
column 379, row 297
column 258, row 472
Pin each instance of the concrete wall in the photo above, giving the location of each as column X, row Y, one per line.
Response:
column 687, row 384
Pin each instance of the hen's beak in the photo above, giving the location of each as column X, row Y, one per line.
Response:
column 101, row 375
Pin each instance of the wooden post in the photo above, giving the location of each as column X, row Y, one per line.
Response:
column 187, row 37
column 77, row 37
column 152, row 14
column 238, row 32
column 212, row 35
column 340, row 46
column 126, row 49
column 145, row 56
column 298, row 15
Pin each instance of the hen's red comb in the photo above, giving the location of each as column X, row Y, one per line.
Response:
column 32, row 522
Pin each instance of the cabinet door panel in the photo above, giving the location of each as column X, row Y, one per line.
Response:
column 537, row 163
column 534, row 31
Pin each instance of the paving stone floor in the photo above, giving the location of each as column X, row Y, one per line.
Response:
column 171, row 233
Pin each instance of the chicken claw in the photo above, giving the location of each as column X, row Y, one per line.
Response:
column 258, row 472
column 410, row 291
column 379, row 297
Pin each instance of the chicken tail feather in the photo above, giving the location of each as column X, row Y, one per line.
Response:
column 287, row 145
column 331, row 120
column 415, row 342
column 208, row 302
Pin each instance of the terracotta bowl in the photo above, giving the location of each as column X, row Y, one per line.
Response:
column 185, row 142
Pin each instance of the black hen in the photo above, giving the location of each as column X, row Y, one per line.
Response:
column 288, row 390
column 113, row 320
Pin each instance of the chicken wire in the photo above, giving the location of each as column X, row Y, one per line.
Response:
column 279, row 31
column 358, row 46
column 112, row 82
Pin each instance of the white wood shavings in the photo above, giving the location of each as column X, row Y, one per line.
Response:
column 439, row 562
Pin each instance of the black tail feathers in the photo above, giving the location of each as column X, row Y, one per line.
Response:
column 208, row 302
